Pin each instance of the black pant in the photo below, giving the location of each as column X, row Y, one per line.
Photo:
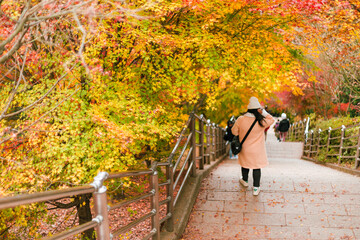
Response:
column 256, row 175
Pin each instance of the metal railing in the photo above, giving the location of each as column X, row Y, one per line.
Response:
column 343, row 142
column 199, row 143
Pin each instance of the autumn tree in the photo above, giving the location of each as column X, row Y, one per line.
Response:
column 94, row 86
column 330, row 40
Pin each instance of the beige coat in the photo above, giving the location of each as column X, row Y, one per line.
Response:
column 253, row 153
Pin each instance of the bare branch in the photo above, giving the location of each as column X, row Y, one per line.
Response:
column 4, row 76
column 82, row 29
column 64, row 205
column 15, row 89
column 20, row 25
column 59, row 14
column 16, row 46
column 41, row 117
column 37, row 101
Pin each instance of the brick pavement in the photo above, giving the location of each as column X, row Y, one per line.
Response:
column 298, row 200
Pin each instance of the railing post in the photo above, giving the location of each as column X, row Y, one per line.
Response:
column 208, row 137
column 311, row 143
column 223, row 146
column 193, row 146
column 294, row 131
column 328, row 141
column 213, row 150
column 341, row 142
column 170, row 194
column 217, row 141
column 357, row 160
column 201, row 150
column 305, row 141
column 101, row 207
column 155, row 219
column 290, row 131
column 318, row 143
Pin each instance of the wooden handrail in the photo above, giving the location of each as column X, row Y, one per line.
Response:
column 346, row 143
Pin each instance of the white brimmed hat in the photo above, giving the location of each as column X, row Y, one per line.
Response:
column 254, row 103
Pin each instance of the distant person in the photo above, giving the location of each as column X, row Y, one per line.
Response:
column 276, row 129
column 229, row 136
column 253, row 153
column 284, row 126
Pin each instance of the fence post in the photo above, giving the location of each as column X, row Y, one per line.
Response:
column 305, row 140
column 216, row 141
column 294, row 131
column 155, row 221
column 170, row 195
column 311, row 143
column 201, row 150
column 328, row 141
column 208, row 139
column 223, row 146
column 341, row 142
column 357, row 151
column 213, row 148
column 193, row 146
column 318, row 143
column 293, row 134
column 101, row 207
column 290, row 132
column 219, row 142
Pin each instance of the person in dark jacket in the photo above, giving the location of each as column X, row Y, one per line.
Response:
column 284, row 126
column 276, row 129
column 229, row 135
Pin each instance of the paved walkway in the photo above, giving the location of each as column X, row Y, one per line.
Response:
column 298, row 200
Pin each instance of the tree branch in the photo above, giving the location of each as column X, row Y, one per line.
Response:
column 56, row 15
column 21, row 23
column 64, row 205
column 37, row 101
column 16, row 46
column 15, row 89
column 41, row 117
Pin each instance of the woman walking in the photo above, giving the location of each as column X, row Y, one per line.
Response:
column 253, row 153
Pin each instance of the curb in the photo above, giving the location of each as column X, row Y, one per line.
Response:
column 333, row 166
column 187, row 200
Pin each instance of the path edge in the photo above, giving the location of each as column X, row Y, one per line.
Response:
column 333, row 166
column 187, row 200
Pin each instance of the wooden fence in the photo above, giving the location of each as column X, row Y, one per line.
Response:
column 341, row 144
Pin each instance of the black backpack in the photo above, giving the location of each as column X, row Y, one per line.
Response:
column 284, row 125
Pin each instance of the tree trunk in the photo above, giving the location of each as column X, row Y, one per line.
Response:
column 85, row 216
